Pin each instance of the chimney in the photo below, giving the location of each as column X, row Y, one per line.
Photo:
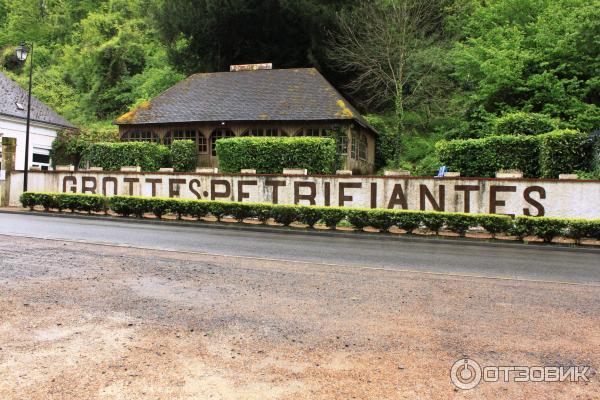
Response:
column 250, row 67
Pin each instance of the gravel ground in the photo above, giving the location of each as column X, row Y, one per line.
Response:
column 97, row 322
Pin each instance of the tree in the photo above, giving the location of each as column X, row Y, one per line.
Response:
column 392, row 49
column 529, row 55
column 210, row 35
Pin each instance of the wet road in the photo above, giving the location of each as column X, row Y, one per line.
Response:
column 507, row 262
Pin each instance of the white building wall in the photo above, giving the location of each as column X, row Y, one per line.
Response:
column 40, row 137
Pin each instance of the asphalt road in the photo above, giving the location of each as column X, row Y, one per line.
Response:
column 509, row 262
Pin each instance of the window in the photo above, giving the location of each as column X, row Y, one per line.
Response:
column 268, row 132
column 342, row 144
column 362, row 148
column 354, row 146
column 40, row 158
column 180, row 134
column 314, row 132
column 219, row 134
column 202, row 144
column 140, row 136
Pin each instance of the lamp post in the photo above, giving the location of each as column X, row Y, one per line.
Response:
column 22, row 53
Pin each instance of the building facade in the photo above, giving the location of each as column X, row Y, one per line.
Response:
column 45, row 123
column 265, row 103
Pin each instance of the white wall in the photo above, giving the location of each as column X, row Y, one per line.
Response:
column 548, row 197
column 41, row 136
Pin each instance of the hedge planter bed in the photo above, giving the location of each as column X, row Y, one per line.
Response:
column 407, row 222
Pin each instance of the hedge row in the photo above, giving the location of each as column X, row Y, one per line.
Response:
column 546, row 156
column 271, row 155
column 382, row 219
column 149, row 156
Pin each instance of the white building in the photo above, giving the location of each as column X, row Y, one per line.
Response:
column 45, row 124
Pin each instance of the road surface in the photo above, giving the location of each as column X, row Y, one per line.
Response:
column 506, row 262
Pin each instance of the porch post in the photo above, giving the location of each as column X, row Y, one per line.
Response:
column 9, row 148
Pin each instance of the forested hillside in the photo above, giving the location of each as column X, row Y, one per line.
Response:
column 424, row 70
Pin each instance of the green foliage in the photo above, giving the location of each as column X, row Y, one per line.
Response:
column 381, row 219
column 284, row 215
column 564, row 151
column 545, row 228
column 522, row 123
column 460, row 222
column 358, row 218
column 272, row 155
column 309, row 215
column 184, row 155
column 408, row 220
column 113, row 156
column 495, row 224
column 69, row 147
column 332, row 216
column 484, row 157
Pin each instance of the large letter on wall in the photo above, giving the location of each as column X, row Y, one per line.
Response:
column 439, row 205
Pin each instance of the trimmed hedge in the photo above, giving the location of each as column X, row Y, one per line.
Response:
column 565, row 151
column 545, row 156
column 271, row 155
column 113, row 156
column 484, row 157
column 184, row 155
column 523, row 123
column 543, row 227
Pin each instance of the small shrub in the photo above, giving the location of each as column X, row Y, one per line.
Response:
column 460, row 222
column 262, row 212
column 408, row 220
column 199, row 209
column 381, row 219
column 28, row 200
column 184, row 155
column 309, row 215
column 434, row 221
column 358, row 218
column 284, row 215
column 495, row 224
column 578, row 229
column 548, row 228
column 332, row 216
column 218, row 210
column 160, row 207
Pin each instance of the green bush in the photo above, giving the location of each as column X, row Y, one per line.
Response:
column 408, row 220
column 358, row 218
column 184, row 155
column 332, row 216
column 434, row 221
column 460, row 222
column 523, row 123
column 29, row 200
column 113, row 156
column 542, row 227
column 522, row 226
column 381, row 219
column 484, row 157
column 495, row 224
column 564, row 151
column 309, row 215
column 272, row 155
column 284, row 215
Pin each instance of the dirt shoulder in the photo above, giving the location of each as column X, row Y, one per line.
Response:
column 97, row 322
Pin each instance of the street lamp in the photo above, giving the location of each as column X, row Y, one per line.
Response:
column 22, row 53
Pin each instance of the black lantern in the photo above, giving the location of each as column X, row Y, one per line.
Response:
column 22, row 52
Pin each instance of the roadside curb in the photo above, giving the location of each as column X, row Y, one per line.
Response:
column 314, row 232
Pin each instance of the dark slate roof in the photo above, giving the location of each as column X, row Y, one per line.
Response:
column 262, row 95
column 11, row 94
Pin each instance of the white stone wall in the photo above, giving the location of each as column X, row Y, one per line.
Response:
column 40, row 136
column 565, row 198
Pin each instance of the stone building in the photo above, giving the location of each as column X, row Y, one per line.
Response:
column 252, row 101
